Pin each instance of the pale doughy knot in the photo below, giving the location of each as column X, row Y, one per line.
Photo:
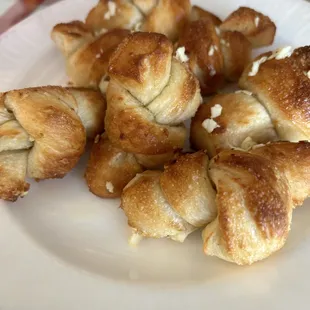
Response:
column 219, row 51
column 243, row 199
column 87, row 55
column 275, row 106
column 43, row 133
column 161, row 16
column 149, row 96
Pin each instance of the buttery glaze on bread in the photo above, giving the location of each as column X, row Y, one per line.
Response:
column 87, row 56
column 43, row 133
column 283, row 87
column 242, row 117
column 161, row 16
column 275, row 105
column 255, row 193
column 258, row 28
column 150, row 94
column 216, row 51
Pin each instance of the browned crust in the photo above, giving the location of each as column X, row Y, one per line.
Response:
column 243, row 20
column 108, row 163
column 60, row 137
column 186, row 187
column 199, row 13
column 294, row 160
column 147, row 210
column 197, row 38
column 266, row 196
column 69, row 36
column 168, row 18
column 126, row 15
column 137, row 54
column 13, row 166
column 87, row 64
column 134, row 129
column 236, row 55
column 242, row 117
column 284, row 89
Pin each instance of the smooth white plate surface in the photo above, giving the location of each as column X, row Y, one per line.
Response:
column 63, row 248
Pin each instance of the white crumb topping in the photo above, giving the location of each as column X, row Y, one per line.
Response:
column 256, row 21
column 307, row 74
column 218, row 30
column 209, row 125
column 97, row 139
column 100, row 32
column 223, row 42
column 109, row 186
column 211, row 50
column 243, row 92
column 257, row 146
column 255, row 66
column 180, row 54
column 104, row 86
column 24, row 194
column 98, row 56
column 282, row 53
column 212, row 71
column 137, row 27
column 248, row 143
column 215, row 47
column 111, row 10
column 216, row 111
column 135, row 238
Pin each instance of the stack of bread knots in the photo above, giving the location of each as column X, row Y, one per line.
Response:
column 43, row 133
column 219, row 51
column 86, row 54
column 273, row 105
column 243, row 199
column 161, row 16
column 149, row 96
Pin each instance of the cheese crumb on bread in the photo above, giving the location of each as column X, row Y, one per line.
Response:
column 110, row 188
column 111, row 10
column 180, row 54
column 209, row 125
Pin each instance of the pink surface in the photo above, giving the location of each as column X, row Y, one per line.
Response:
column 19, row 10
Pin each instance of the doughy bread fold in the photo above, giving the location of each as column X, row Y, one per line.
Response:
column 245, row 199
column 43, row 133
column 274, row 105
column 149, row 96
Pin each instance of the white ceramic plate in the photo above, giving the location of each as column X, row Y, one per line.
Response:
column 63, row 248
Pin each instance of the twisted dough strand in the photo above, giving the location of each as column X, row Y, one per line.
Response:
column 43, row 133
column 150, row 94
column 255, row 193
column 86, row 55
column 275, row 106
column 161, row 16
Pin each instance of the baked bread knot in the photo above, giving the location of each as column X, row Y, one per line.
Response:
column 245, row 199
column 43, row 133
column 161, row 16
column 86, row 54
column 273, row 105
column 258, row 28
column 149, row 96
column 219, row 51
